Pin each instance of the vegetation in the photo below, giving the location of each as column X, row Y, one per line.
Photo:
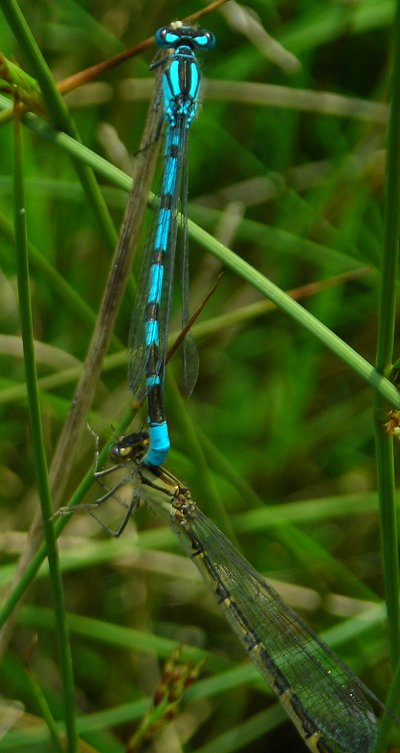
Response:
column 294, row 194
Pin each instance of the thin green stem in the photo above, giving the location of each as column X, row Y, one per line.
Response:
column 386, row 324
column 45, row 711
column 387, row 304
column 38, row 440
column 384, row 357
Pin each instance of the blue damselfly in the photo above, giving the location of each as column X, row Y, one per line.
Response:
column 180, row 85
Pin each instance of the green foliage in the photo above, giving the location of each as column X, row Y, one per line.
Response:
column 288, row 195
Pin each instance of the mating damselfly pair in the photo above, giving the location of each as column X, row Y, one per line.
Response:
column 330, row 707
column 195, row 535
column 328, row 704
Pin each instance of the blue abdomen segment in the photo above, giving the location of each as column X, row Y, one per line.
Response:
column 159, row 444
column 152, row 334
column 156, row 281
column 163, row 228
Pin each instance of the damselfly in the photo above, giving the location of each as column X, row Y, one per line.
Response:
column 327, row 702
column 180, row 85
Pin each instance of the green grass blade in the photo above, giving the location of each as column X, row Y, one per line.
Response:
column 38, row 443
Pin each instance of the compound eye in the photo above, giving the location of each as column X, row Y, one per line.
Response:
column 166, row 37
column 204, row 40
column 129, row 447
column 121, row 450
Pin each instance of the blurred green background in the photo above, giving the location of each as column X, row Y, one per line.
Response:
column 277, row 441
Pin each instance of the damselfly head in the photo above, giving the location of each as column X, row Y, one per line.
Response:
column 176, row 35
column 130, row 447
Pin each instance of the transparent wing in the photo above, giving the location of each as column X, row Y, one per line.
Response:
column 312, row 682
column 137, row 348
column 190, row 356
column 137, row 340
column 164, row 223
